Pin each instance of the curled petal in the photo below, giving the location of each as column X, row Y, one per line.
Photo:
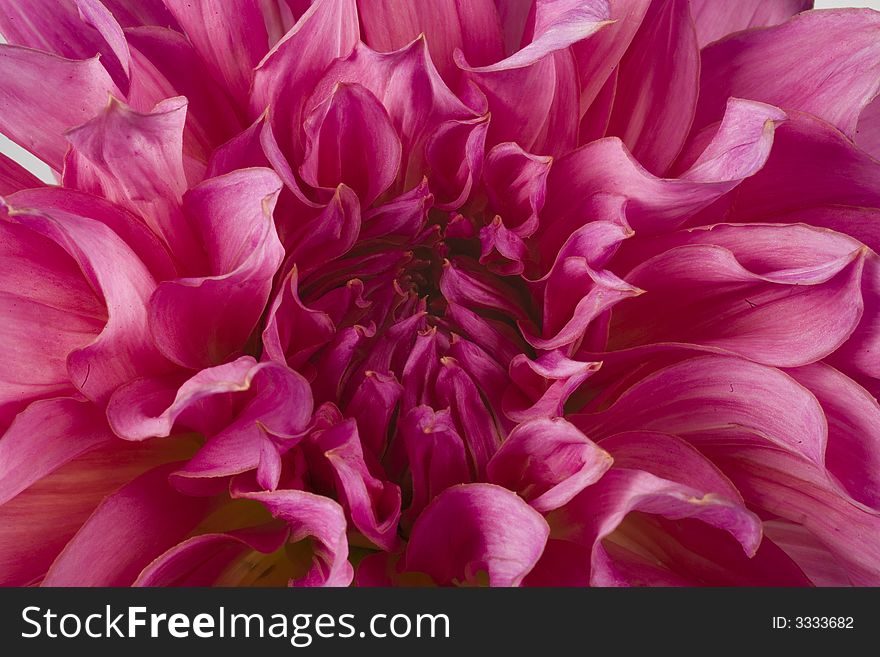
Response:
column 776, row 66
column 309, row 515
column 548, row 462
column 44, row 95
column 200, row 322
column 477, row 533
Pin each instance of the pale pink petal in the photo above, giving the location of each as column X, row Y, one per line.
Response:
column 715, row 20
column 44, row 95
column 777, row 66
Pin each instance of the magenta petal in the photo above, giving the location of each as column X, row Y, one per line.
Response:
column 274, row 417
column 853, row 430
column 738, row 149
column 597, row 512
column 472, row 26
column 200, row 560
column 136, row 160
column 788, row 486
column 782, row 296
column 44, row 95
column 868, row 129
column 231, row 37
column 477, row 531
column 76, row 29
column 45, row 436
column 374, row 505
column 657, row 86
column 287, row 75
column 129, row 529
column 548, row 462
column 123, row 349
column 351, row 122
column 436, row 455
column 199, row 322
column 715, row 20
column 373, row 406
column 14, row 177
column 150, row 407
column 777, row 66
column 542, row 386
column 692, row 396
column 318, row 517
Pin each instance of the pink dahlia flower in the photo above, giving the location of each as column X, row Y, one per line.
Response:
column 386, row 292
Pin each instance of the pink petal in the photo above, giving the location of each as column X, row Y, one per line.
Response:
column 782, row 296
column 287, row 75
column 542, row 386
column 45, row 436
column 131, row 13
column 123, row 349
column 37, row 523
column 136, row 160
column 454, row 156
column 473, row 531
column 293, row 331
column 128, row 529
column 868, row 130
column 373, row 406
column 150, row 407
column 777, row 66
column 351, row 121
column 592, row 518
column 272, row 418
column 456, row 390
column 548, row 462
column 516, row 183
column 797, row 175
column 44, row 95
column 472, row 27
column 787, row 485
column 230, row 37
column 374, row 504
column 318, row 517
column 412, row 92
column 201, row 321
column 435, row 453
column 853, row 430
column 739, row 148
column 715, row 20
column 164, row 64
column 201, row 560
column 657, row 86
column 14, row 177
column 695, row 396
column 74, row 29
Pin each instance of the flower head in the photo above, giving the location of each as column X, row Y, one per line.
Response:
column 505, row 292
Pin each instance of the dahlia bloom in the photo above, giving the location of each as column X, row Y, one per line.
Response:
column 447, row 292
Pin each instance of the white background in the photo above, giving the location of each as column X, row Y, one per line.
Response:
column 42, row 171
